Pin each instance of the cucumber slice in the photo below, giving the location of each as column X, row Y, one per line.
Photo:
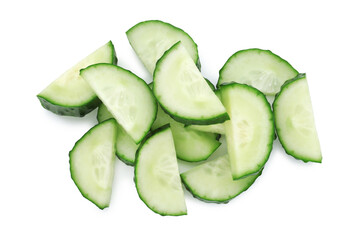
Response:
column 258, row 68
column 190, row 145
column 294, row 120
column 126, row 96
column 182, row 92
column 69, row 94
column 150, row 39
column 212, row 181
column 125, row 146
column 92, row 163
column 250, row 132
column 157, row 176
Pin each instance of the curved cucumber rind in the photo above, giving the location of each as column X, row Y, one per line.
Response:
column 190, row 145
column 182, row 91
column 150, row 39
column 70, row 95
column 127, row 97
column 157, row 177
column 212, row 181
column 125, row 146
column 294, row 120
column 258, row 68
column 250, row 132
column 75, row 111
column 92, row 162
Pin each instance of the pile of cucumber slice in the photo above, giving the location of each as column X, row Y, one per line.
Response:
column 180, row 116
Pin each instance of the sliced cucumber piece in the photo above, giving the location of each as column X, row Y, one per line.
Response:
column 250, row 132
column 92, row 163
column 258, row 68
column 126, row 96
column 69, row 94
column 190, row 145
column 294, row 120
column 212, row 181
column 150, row 39
column 125, row 146
column 157, row 177
column 182, row 92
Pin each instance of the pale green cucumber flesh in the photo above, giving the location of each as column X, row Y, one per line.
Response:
column 157, row 177
column 212, row 181
column 213, row 128
column 190, row 145
column 92, row 162
column 150, row 39
column 127, row 97
column 182, row 91
column 125, row 146
column 250, row 132
column 294, row 121
column 258, row 68
column 70, row 95
column 218, row 128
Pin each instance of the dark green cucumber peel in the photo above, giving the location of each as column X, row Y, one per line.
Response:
column 143, row 143
column 85, row 195
column 219, row 201
column 75, row 111
column 197, row 62
column 290, row 152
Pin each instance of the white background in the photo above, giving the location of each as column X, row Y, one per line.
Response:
column 291, row 200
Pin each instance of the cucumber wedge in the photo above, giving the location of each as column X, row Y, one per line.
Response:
column 92, row 163
column 150, row 39
column 190, row 145
column 69, row 94
column 250, row 132
column 157, row 177
column 212, row 181
column 258, row 68
column 182, row 92
column 127, row 97
column 125, row 146
column 294, row 120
